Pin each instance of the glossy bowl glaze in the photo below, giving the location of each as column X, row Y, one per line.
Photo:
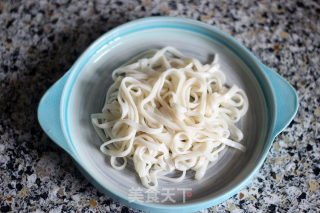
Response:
column 64, row 111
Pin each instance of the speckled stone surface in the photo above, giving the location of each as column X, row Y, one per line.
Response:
column 39, row 41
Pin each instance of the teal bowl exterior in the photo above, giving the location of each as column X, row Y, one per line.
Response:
column 281, row 100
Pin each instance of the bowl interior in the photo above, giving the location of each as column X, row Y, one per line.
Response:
column 88, row 95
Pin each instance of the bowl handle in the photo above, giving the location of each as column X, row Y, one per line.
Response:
column 286, row 100
column 49, row 113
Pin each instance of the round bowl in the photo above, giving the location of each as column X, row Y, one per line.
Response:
column 64, row 112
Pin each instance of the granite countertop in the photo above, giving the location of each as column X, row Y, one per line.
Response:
column 40, row 40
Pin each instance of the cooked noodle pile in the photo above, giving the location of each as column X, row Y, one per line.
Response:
column 169, row 113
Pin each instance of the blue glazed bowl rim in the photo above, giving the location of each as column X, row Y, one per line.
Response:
column 190, row 25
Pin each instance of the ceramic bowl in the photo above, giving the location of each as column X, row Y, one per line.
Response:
column 65, row 109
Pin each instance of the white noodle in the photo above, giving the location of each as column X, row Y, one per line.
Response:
column 169, row 113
